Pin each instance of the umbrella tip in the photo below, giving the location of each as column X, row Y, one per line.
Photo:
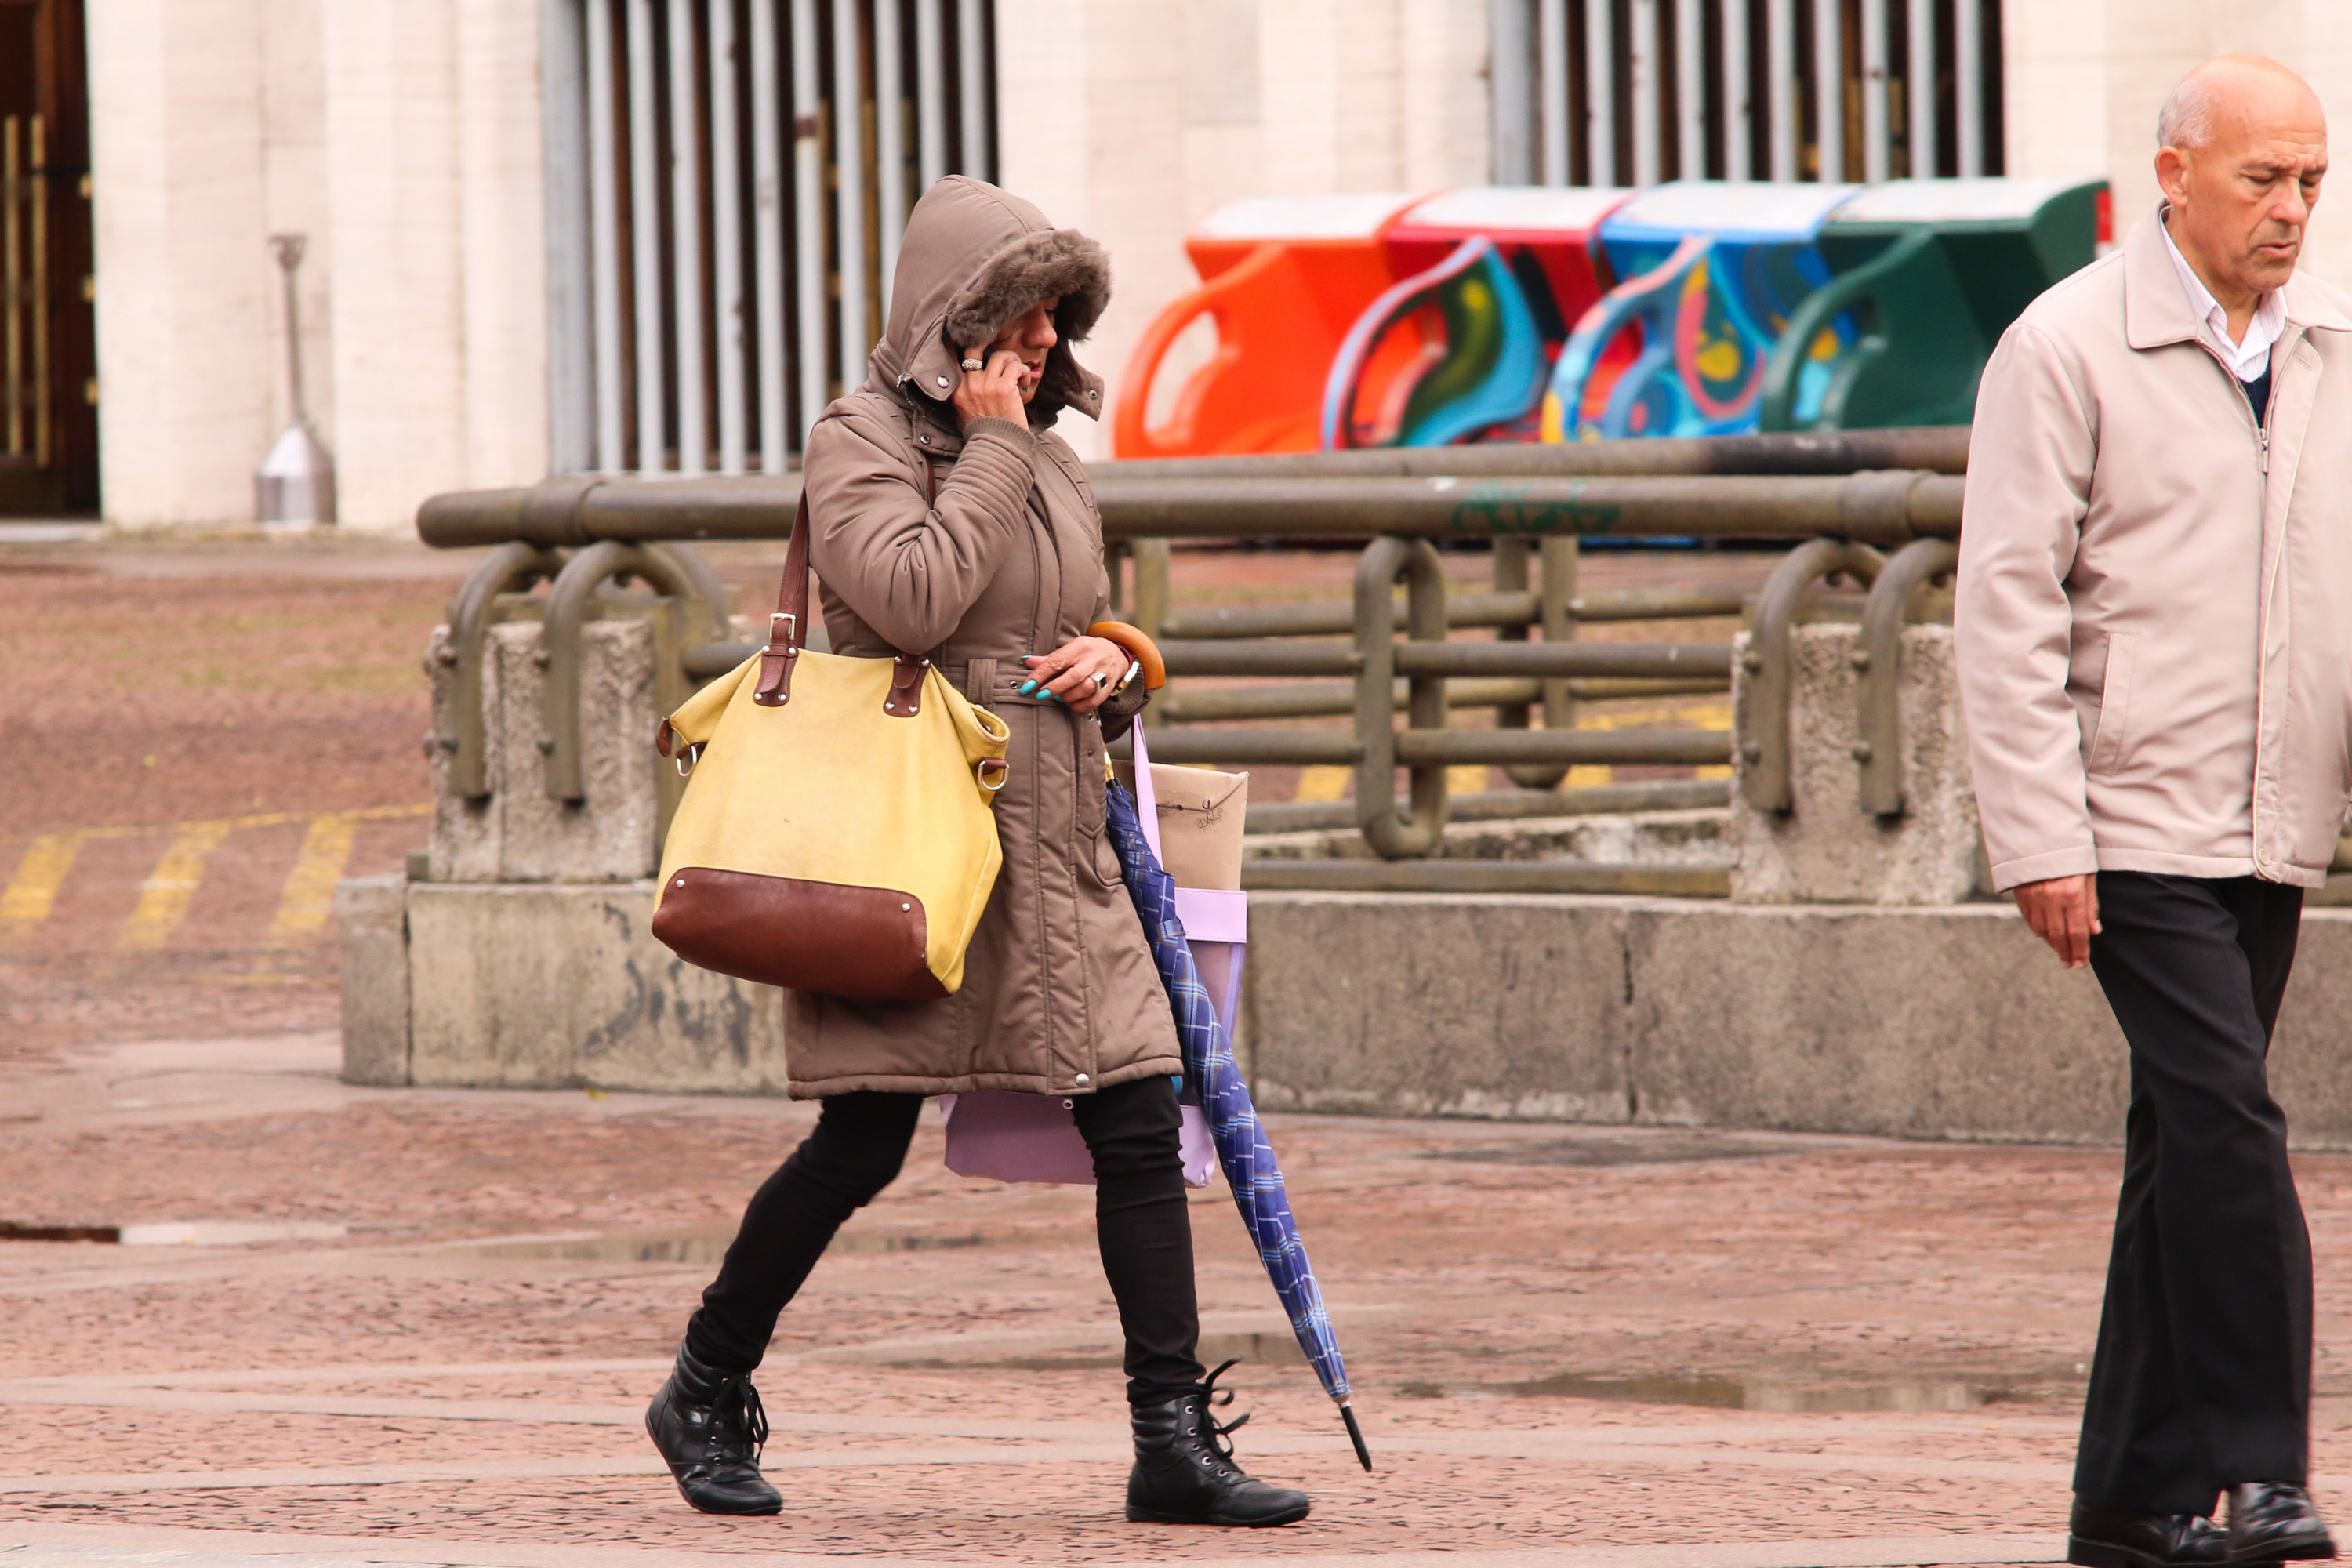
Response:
column 1355, row 1436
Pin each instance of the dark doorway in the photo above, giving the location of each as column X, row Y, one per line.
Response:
column 49, row 340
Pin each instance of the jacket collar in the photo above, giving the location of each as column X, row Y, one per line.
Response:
column 2157, row 310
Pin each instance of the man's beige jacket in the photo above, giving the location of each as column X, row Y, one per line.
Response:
column 2155, row 602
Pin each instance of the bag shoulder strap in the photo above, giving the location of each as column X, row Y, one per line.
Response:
column 788, row 634
column 788, row 627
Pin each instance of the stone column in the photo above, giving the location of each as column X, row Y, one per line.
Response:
column 1825, row 849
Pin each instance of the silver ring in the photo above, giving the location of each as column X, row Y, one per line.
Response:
column 1100, row 679
column 973, row 364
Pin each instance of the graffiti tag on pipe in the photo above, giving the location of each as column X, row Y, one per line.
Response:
column 1491, row 507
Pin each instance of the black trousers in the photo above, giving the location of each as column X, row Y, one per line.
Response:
column 2202, row 1375
column 1142, row 1226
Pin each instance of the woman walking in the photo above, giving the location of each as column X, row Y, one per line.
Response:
column 947, row 521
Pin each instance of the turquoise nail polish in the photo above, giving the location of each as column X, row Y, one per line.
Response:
column 1027, row 686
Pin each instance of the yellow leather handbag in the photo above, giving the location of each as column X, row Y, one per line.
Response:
column 836, row 833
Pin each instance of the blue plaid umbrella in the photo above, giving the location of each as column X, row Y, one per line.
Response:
column 1242, row 1148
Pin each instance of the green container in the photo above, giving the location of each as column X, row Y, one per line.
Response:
column 1932, row 271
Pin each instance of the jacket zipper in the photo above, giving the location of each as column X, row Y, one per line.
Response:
column 2262, row 616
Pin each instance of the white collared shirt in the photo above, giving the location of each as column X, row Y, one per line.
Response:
column 2251, row 356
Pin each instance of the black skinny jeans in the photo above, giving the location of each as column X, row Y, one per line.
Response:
column 1140, row 1224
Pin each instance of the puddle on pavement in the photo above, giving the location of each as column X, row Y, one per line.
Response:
column 698, row 1247
column 1663, row 1149
column 1786, row 1394
column 1250, row 1350
column 190, row 1233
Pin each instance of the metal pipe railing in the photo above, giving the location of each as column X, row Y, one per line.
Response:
column 1343, row 660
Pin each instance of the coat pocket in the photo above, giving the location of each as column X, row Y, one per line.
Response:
column 2110, row 740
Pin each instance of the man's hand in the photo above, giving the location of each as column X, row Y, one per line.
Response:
column 994, row 392
column 2064, row 912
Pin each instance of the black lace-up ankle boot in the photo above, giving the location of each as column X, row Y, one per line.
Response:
column 1184, row 1471
column 708, row 1426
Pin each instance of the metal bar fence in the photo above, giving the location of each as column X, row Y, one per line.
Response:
column 1788, row 89
column 745, row 168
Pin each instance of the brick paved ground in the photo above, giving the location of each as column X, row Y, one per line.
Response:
column 1579, row 1347
column 1565, row 1339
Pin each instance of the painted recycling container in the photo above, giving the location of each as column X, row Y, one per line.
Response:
column 1711, row 271
column 1282, row 280
column 1930, row 273
column 1499, row 313
column 1490, row 281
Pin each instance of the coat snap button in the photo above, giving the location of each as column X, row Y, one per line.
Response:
column 941, row 380
column 1082, row 1080
column 925, row 439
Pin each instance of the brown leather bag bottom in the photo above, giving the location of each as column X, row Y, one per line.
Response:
column 865, row 943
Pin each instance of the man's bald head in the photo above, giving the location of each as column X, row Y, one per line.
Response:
column 2242, row 148
column 2233, row 88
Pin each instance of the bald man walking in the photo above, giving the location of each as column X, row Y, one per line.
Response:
column 2155, row 639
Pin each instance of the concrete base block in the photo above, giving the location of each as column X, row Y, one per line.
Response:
column 371, row 917
column 1825, row 849
column 1632, row 838
column 517, row 833
column 551, row 986
column 1923, row 1023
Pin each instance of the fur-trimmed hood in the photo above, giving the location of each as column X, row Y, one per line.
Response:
column 973, row 258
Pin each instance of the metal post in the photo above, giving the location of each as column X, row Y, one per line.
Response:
column 930, row 93
column 1556, row 604
column 604, row 240
column 1690, row 91
column 571, row 331
column 1829, row 89
column 1642, row 56
column 685, row 238
column 1919, row 81
column 727, row 243
column 1738, row 111
column 1384, row 561
column 1875, row 143
column 1967, row 83
column 1551, row 87
column 767, row 236
column 1781, row 48
column 889, row 139
column 808, row 211
column 1600, row 95
column 1511, row 64
column 972, row 95
column 645, row 234
column 849, row 192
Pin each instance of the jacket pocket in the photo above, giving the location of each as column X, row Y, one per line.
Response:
column 2112, row 736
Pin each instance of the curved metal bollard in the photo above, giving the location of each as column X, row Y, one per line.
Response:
column 1765, row 781
column 679, row 574
column 1879, row 662
column 1393, row 837
column 510, row 567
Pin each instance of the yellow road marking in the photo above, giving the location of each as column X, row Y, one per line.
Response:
column 1466, row 780
column 1324, row 783
column 310, row 892
column 31, row 890
column 164, row 895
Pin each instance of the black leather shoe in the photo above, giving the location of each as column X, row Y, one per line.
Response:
column 1184, row 1471
column 2104, row 1538
column 710, row 1427
column 2272, row 1522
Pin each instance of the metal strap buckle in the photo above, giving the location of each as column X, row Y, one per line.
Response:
column 790, row 636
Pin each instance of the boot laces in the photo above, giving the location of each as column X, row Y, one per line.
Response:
column 739, row 1423
column 1213, row 1399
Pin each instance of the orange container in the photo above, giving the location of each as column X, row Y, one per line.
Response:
column 1283, row 278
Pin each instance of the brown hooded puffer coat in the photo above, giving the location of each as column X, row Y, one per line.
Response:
column 976, row 549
